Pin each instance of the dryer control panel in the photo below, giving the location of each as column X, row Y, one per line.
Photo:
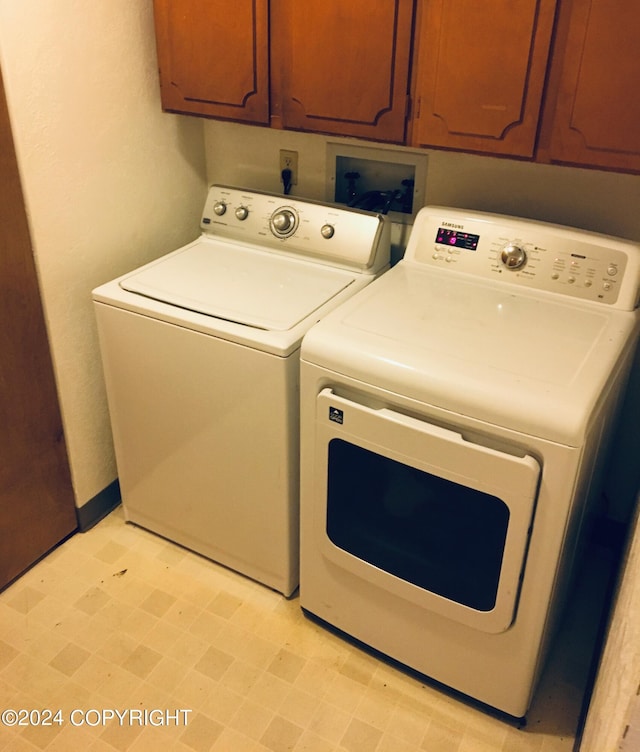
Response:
column 535, row 255
column 350, row 238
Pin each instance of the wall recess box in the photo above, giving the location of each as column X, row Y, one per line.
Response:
column 379, row 171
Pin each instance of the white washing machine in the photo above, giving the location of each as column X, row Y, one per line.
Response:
column 201, row 360
column 455, row 419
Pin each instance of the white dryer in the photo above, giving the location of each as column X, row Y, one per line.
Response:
column 201, row 360
column 455, row 419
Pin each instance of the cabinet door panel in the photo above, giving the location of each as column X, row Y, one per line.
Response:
column 213, row 58
column 597, row 113
column 343, row 67
column 481, row 72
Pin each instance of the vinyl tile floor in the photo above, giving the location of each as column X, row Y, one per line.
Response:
column 121, row 640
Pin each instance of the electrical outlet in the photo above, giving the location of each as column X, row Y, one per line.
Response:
column 289, row 161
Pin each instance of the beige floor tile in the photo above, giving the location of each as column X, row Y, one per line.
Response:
column 252, row 719
column 7, row 654
column 230, row 739
column 141, row 661
column 193, row 691
column 92, row 600
column 121, row 736
column 93, row 673
column 329, row 722
column 225, row 605
column 110, row 552
column 158, row 602
column 72, row 739
column 120, row 618
column 360, row 736
column 310, row 742
column 374, row 708
column 32, row 676
column 201, row 734
column 214, row 663
column 25, row 599
column 281, row 734
column 222, row 704
column 286, row 665
column 269, row 691
column 69, row 659
column 298, row 707
column 119, row 688
column 41, row 736
column 167, row 674
column 206, row 625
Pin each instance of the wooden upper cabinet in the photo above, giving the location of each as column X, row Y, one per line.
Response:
column 342, row 67
column 480, row 74
column 595, row 117
column 214, row 57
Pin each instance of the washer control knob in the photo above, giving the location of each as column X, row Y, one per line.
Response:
column 242, row 213
column 219, row 208
column 513, row 256
column 327, row 231
column 283, row 222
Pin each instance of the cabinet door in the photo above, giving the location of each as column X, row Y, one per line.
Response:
column 214, row 58
column 342, row 67
column 597, row 112
column 480, row 74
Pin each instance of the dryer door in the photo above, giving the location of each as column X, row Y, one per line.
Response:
column 417, row 510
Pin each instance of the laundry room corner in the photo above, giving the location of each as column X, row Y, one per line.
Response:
column 108, row 179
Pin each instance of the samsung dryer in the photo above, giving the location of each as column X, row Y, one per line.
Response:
column 455, row 420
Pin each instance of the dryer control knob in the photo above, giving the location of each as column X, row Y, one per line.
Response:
column 219, row 208
column 327, row 231
column 242, row 213
column 513, row 256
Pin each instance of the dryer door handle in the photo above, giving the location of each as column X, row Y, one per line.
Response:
column 370, row 421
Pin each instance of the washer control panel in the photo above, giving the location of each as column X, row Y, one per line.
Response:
column 350, row 238
column 531, row 254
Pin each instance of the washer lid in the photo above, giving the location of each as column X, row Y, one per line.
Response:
column 239, row 284
column 530, row 362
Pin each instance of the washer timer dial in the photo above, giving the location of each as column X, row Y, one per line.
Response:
column 283, row 222
column 513, row 256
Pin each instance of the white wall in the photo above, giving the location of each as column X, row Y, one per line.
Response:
column 109, row 182
column 615, row 702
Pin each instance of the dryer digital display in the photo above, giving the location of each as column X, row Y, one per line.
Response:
column 457, row 239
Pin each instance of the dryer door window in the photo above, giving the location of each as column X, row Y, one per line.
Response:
column 437, row 534
column 418, row 511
